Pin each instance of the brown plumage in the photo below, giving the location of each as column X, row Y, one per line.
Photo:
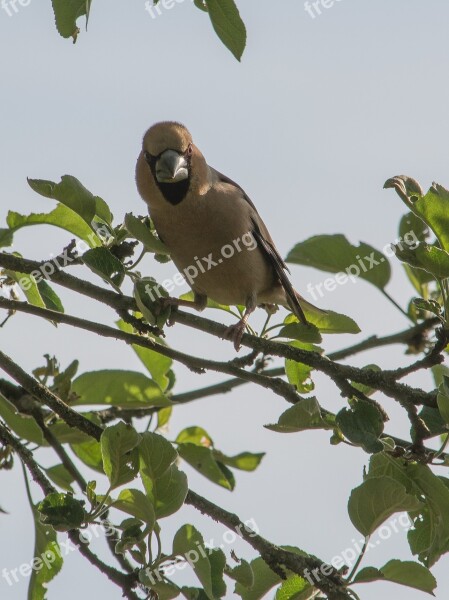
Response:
column 206, row 219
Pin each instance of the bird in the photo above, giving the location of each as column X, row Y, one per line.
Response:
column 199, row 213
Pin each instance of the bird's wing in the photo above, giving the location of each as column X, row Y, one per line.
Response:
column 269, row 250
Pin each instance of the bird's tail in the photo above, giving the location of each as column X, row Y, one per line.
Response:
column 298, row 304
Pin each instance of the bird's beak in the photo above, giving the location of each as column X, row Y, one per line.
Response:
column 171, row 167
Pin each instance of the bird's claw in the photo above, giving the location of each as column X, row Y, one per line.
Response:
column 234, row 333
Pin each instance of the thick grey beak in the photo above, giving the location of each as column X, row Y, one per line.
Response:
column 171, row 167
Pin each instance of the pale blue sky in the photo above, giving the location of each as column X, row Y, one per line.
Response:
column 318, row 115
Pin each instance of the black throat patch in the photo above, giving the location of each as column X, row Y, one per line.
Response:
column 172, row 192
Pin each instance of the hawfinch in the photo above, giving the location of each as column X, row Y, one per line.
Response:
column 213, row 231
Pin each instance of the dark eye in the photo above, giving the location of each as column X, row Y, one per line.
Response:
column 148, row 157
column 190, row 150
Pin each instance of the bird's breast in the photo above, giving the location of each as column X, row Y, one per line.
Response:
column 214, row 248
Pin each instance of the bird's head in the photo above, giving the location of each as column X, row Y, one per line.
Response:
column 168, row 149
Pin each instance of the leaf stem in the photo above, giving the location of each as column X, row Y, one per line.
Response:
column 398, row 306
column 142, row 254
column 359, row 560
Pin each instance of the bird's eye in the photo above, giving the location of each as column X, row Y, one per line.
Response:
column 190, row 150
column 148, row 157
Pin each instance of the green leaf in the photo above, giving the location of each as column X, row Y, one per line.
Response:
column 292, row 589
column 376, row 500
column 144, row 234
column 334, row 254
column 199, row 4
column 6, row 237
column 298, row 374
column 302, row 332
column 305, row 414
column 61, row 477
column 148, row 294
column 156, row 455
column 413, row 229
column 419, row 278
column 102, row 262
column 228, row 25
column 245, row 461
column 432, row 259
column 120, row 456
column 407, row 573
column 65, row 434
column 23, row 425
column 61, row 511
column 264, row 580
column 363, row 425
column 62, row 217
column 69, row 191
column 127, row 389
column 329, row 322
column 195, row 435
column 433, row 208
column 429, row 538
column 90, row 454
column 443, row 399
column 137, row 504
column 163, row 590
column 187, row 543
column 242, row 574
column 333, row 322
column 431, row 306
column 168, row 492
column 203, row 460
column 66, row 14
column 163, row 417
column 411, row 574
column 131, row 538
column 48, row 557
column 62, row 383
column 433, row 421
column 28, row 285
column 217, row 561
column 164, row 483
column 157, row 364
column 194, row 593
column 90, row 493
column 49, row 296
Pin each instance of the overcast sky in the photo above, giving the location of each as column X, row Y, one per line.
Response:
column 318, row 115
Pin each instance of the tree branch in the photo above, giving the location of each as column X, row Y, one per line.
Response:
column 48, row 398
column 125, row 581
column 278, row 386
column 276, row 557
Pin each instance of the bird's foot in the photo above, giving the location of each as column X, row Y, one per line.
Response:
column 235, row 332
column 169, row 301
